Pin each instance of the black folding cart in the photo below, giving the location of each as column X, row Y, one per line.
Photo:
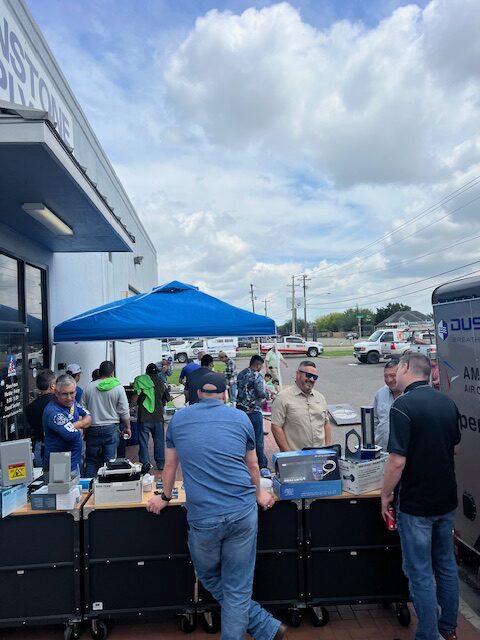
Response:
column 136, row 564
column 350, row 556
column 40, row 569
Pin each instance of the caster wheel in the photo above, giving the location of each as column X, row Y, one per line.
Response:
column 403, row 614
column 211, row 621
column 76, row 631
column 188, row 623
column 99, row 630
column 68, row 633
column 320, row 616
column 295, row 618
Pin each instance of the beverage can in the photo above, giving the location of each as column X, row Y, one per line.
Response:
column 391, row 521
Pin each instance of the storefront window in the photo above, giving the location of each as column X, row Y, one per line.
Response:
column 35, row 316
column 9, row 303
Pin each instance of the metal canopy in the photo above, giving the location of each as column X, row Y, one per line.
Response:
column 36, row 166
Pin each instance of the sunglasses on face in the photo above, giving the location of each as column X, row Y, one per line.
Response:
column 308, row 375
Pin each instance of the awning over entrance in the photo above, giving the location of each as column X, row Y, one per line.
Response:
column 37, row 167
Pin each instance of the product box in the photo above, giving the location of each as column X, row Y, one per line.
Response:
column 12, row 498
column 41, row 500
column 298, row 490
column 117, row 492
column 306, row 474
column 362, row 476
column 312, row 465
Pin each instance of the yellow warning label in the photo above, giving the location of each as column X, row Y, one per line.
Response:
column 17, row 471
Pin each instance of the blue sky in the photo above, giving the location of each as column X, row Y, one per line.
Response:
column 264, row 140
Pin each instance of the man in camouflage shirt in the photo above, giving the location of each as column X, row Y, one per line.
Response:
column 230, row 376
column 251, row 391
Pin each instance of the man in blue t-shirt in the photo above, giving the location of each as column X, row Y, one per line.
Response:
column 215, row 444
column 64, row 421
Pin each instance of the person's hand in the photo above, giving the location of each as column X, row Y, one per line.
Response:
column 386, row 502
column 156, row 504
column 127, row 432
column 265, row 499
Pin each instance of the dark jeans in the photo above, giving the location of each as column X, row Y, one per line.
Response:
column 158, row 435
column 256, row 418
column 101, row 446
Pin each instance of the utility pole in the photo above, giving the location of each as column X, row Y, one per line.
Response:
column 252, row 295
column 265, row 302
column 294, row 309
column 305, row 278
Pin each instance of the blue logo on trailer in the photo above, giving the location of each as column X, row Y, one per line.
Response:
column 442, row 330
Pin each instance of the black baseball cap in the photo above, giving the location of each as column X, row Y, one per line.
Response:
column 216, row 380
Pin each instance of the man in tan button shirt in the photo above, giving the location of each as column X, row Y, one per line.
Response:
column 299, row 413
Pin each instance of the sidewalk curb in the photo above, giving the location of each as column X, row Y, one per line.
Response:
column 469, row 614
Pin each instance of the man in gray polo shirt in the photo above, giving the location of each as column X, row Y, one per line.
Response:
column 383, row 401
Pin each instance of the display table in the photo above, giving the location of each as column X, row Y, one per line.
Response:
column 136, row 563
column 40, row 572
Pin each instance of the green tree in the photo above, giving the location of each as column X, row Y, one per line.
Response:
column 392, row 307
column 330, row 322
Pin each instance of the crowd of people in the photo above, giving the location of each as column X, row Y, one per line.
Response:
column 221, row 451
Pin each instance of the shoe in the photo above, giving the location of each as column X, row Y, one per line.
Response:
column 282, row 630
column 449, row 635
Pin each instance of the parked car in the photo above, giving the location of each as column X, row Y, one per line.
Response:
column 244, row 343
column 353, row 335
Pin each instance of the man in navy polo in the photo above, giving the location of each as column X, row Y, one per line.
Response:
column 64, row 421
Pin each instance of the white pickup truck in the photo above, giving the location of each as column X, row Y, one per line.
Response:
column 383, row 343
column 213, row 346
column 294, row 345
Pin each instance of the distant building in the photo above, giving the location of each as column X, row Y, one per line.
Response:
column 70, row 238
column 401, row 319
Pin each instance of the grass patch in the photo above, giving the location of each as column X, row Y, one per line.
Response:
column 333, row 353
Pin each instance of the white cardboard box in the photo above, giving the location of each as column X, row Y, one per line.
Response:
column 42, row 500
column 117, row 492
column 12, row 498
column 362, row 476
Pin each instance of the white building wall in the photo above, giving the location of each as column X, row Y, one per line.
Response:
column 79, row 281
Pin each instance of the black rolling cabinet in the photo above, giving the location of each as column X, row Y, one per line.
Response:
column 350, row 556
column 136, row 564
column 40, row 577
column 279, row 568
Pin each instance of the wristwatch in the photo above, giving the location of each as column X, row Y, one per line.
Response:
column 164, row 497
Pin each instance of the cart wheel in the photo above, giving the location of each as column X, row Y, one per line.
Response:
column 320, row 616
column 99, row 631
column 211, row 621
column 403, row 614
column 68, row 633
column 76, row 631
column 188, row 622
column 295, row 618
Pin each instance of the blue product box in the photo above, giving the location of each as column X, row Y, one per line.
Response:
column 298, row 490
column 12, row 498
column 311, row 465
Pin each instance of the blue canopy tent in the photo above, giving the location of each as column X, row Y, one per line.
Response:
column 168, row 311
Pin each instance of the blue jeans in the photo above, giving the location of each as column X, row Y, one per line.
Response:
column 256, row 419
column 38, row 448
column 101, row 446
column 232, row 393
column 158, row 435
column 429, row 564
column 223, row 551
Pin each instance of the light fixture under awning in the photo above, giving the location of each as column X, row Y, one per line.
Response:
column 37, row 167
column 42, row 213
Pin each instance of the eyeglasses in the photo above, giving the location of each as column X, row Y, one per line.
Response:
column 308, row 375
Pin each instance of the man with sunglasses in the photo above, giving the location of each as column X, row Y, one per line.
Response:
column 299, row 413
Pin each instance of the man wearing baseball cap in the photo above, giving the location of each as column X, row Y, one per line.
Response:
column 230, row 376
column 75, row 370
column 215, row 444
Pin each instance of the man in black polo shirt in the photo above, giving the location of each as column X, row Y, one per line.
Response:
column 424, row 433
